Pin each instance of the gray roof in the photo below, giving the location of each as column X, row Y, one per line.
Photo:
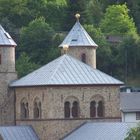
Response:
column 78, row 37
column 100, row 131
column 17, row 133
column 66, row 70
column 5, row 38
column 130, row 102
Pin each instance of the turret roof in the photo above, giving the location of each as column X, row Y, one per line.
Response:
column 78, row 37
column 5, row 38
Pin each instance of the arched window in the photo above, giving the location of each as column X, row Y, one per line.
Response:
column 92, row 109
column 24, row 109
column 100, row 109
column 71, row 107
column 37, row 108
column 97, row 106
column 67, row 109
column 83, row 57
column 75, row 109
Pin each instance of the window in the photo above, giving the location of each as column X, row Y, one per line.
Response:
column 97, row 107
column 100, row 109
column 83, row 57
column 71, row 108
column 67, row 109
column 24, row 109
column 92, row 109
column 137, row 115
column 37, row 108
column 75, row 109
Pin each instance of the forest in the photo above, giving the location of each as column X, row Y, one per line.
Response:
column 39, row 26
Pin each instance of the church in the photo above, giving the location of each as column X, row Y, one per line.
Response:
column 61, row 95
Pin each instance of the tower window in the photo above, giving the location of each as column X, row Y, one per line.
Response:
column 37, row 108
column 24, row 109
column 83, row 57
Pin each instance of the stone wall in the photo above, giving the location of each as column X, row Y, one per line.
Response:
column 52, row 102
column 78, row 51
column 7, row 75
column 7, row 59
column 6, row 99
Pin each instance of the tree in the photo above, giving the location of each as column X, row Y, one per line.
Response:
column 134, row 133
column 117, row 21
column 94, row 12
column 24, row 65
column 36, row 41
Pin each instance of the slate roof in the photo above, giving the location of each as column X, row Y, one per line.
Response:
column 5, row 38
column 17, row 133
column 78, row 37
column 66, row 70
column 100, row 131
column 130, row 102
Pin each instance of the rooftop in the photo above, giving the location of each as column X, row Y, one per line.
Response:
column 66, row 70
column 17, row 133
column 100, row 131
column 78, row 37
column 5, row 38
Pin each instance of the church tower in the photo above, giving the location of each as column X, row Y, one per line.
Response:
column 79, row 44
column 7, row 74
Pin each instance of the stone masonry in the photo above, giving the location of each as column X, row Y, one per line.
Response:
column 52, row 125
column 77, row 51
column 7, row 74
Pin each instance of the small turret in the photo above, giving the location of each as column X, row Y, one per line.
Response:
column 80, row 44
column 7, row 52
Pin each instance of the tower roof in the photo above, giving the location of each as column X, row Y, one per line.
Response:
column 66, row 70
column 5, row 38
column 78, row 37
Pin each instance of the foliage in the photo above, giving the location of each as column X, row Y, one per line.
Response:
column 117, row 21
column 36, row 40
column 134, row 133
column 24, row 65
column 94, row 12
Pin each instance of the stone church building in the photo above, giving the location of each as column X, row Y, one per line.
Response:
column 60, row 96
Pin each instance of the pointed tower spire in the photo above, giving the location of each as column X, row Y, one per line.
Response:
column 80, row 44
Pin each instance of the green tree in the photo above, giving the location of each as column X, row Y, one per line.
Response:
column 24, row 65
column 134, row 133
column 55, row 14
column 36, row 40
column 94, row 12
column 117, row 21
